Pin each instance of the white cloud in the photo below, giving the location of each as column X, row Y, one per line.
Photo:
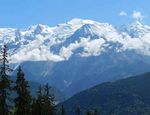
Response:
column 90, row 47
column 93, row 47
column 36, row 51
column 66, row 52
column 137, row 15
column 123, row 13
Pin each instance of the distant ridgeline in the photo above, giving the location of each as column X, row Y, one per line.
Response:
column 129, row 96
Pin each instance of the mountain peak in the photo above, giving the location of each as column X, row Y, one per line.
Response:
column 39, row 28
column 80, row 21
column 136, row 25
column 136, row 29
column 75, row 20
column 87, row 30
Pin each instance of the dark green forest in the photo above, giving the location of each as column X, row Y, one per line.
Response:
column 130, row 96
column 23, row 103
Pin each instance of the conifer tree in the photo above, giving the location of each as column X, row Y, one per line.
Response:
column 95, row 112
column 37, row 104
column 33, row 106
column 78, row 111
column 63, row 112
column 5, row 82
column 89, row 113
column 48, row 102
column 23, row 99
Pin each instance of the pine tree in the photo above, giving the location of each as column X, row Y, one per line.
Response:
column 95, row 112
column 63, row 112
column 33, row 106
column 23, row 99
column 37, row 104
column 5, row 82
column 48, row 102
column 89, row 113
column 78, row 111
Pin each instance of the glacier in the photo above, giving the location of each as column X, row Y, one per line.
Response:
column 41, row 42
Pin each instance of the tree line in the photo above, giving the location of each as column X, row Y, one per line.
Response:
column 16, row 99
column 78, row 111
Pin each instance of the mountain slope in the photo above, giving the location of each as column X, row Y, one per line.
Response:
column 79, row 52
column 124, row 97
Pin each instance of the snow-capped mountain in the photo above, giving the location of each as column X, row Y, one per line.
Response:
column 136, row 29
column 80, row 52
column 40, row 42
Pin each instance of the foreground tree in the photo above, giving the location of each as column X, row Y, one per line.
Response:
column 78, row 111
column 63, row 112
column 89, row 113
column 95, row 112
column 37, row 103
column 5, row 82
column 48, row 102
column 23, row 99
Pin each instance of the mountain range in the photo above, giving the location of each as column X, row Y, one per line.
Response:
column 80, row 53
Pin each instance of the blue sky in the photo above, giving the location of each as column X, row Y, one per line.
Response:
column 23, row 13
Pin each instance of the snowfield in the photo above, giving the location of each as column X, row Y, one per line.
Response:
column 77, row 37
